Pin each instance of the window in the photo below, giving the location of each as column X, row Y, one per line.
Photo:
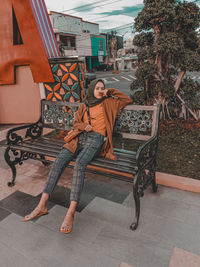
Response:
column 69, row 42
column 101, row 45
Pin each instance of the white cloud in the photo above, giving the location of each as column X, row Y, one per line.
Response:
column 61, row 5
column 116, row 21
column 104, row 21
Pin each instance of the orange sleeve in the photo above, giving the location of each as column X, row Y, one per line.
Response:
column 121, row 97
column 78, row 120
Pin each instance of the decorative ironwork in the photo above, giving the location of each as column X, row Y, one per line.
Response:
column 17, row 156
column 134, row 121
column 13, row 138
column 144, row 181
column 60, row 116
column 147, row 153
column 12, row 161
column 34, row 131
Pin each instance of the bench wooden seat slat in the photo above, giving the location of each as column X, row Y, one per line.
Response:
column 113, row 166
column 119, row 159
column 32, row 151
column 123, row 155
column 54, row 141
column 134, row 122
column 38, row 148
column 48, row 142
column 42, row 146
column 124, row 151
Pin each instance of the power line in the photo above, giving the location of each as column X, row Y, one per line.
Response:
column 120, row 27
column 100, row 6
column 83, row 6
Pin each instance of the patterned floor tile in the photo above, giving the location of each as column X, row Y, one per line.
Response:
column 183, row 258
column 123, row 264
column 21, row 203
column 4, row 213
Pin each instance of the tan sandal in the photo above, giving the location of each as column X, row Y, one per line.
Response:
column 67, row 225
column 31, row 217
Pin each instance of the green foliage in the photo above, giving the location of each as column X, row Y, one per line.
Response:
column 153, row 13
column 146, row 72
column 187, row 16
column 187, row 89
column 169, row 42
column 168, row 47
column 198, row 44
column 144, row 39
column 187, row 60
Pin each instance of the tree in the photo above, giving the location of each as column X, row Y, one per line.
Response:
column 168, row 47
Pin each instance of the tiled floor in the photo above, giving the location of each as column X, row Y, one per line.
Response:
column 168, row 233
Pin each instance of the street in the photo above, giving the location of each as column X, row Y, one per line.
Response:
column 120, row 81
column 123, row 80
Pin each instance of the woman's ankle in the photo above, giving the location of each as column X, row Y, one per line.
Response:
column 43, row 201
column 70, row 213
column 41, row 207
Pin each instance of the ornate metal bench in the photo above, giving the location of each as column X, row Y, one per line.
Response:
column 133, row 123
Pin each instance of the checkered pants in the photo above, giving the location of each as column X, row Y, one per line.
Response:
column 89, row 146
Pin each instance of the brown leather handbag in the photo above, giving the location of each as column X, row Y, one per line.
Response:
column 74, row 133
column 71, row 135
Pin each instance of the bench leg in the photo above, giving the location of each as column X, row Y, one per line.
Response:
column 45, row 163
column 12, row 163
column 153, row 176
column 136, row 196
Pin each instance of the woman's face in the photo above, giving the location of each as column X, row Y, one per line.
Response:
column 98, row 90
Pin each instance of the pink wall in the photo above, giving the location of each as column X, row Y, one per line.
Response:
column 20, row 102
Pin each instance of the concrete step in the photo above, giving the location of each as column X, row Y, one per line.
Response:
column 104, row 226
column 85, row 227
column 116, row 239
column 45, row 247
column 110, row 212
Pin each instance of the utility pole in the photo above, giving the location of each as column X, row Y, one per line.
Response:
column 113, row 45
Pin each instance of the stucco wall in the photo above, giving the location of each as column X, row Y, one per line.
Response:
column 62, row 22
column 95, row 44
column 83, row 45
column 20, row 103
column 90, row 27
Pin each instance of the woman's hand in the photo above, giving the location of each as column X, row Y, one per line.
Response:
column 88, row 128
column 105, row 92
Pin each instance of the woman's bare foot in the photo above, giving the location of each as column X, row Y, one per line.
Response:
column 67, row 224
column 37, row 212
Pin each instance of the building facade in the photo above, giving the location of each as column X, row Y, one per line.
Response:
column 127, row 57
column 79, row 38
column 114, row 43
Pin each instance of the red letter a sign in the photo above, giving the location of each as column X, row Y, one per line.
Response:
column 20, row 43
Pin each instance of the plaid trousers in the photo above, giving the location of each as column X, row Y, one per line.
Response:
column 89, row 146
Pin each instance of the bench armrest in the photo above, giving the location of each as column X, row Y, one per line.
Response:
column 34, row 130
column 147, row 152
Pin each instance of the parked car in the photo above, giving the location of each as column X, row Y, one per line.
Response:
column 88, row 78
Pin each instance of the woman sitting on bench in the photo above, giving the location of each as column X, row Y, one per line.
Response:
column 94, row 122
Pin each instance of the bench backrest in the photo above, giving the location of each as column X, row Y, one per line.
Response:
column 134, row 121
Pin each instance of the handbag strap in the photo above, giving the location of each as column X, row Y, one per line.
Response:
column 88, row 113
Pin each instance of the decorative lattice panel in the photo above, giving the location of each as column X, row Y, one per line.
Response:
column 134, row 122
column 69, row 82
column 131, row 121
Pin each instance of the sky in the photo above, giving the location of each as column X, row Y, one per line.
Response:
column 117, row 15
column 108, row 14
